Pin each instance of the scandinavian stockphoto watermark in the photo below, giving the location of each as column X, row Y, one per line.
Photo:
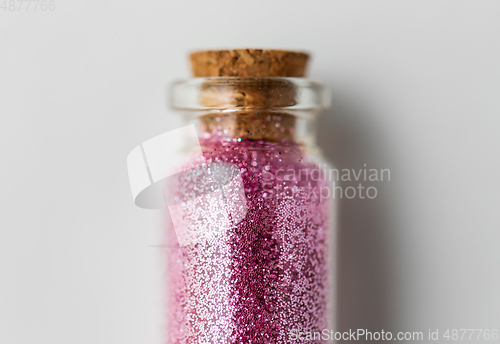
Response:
column 324, row 182
column 206, row 197
column 414, row 336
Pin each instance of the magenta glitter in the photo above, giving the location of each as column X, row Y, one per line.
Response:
column 266, row 275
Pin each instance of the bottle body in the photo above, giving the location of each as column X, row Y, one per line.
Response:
column 258, row 266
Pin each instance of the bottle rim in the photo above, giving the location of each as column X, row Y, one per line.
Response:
column 243, row 93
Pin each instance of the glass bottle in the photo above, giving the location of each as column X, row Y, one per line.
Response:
column 248, row 227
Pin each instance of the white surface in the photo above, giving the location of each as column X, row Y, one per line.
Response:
column 416, row 89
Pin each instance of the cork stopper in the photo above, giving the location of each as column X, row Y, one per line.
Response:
column 256, row 63
column 256, row 98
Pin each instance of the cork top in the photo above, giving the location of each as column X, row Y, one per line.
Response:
column 257, row 63
column 246, row 83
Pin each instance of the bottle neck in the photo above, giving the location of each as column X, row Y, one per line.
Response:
column 277, row 110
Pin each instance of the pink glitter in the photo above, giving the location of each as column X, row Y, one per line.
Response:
column 265, row 276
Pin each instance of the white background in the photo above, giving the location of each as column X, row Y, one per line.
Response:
column 416, row 89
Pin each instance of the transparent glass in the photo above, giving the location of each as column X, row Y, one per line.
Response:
column 249, row 256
